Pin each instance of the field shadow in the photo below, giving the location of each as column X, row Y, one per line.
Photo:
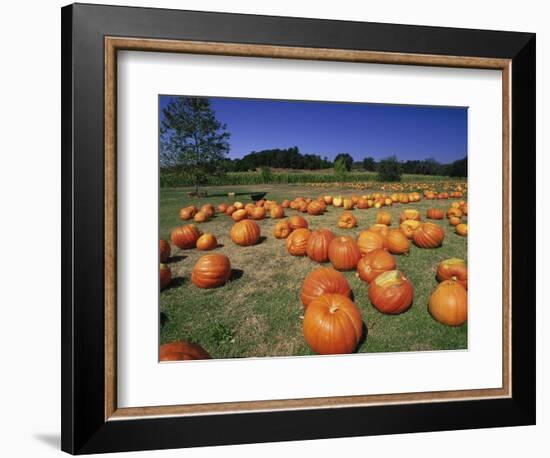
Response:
column 364, row 336
column 236, row 274
column 163, row 319
column 173, row 259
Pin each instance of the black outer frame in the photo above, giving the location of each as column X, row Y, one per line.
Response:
column 84, row 429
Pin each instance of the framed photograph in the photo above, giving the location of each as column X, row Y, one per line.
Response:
column 281, row 229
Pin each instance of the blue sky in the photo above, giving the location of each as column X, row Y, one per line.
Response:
column 328, row 128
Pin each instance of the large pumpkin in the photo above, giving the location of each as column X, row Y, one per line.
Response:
column 258, row 213
column 410, row 214
column 211, row 270
column 296, row 242
column 239, row 215
column 165, row 250
column 165, row 276
column 185, row 237
column 321, row 281
column 449, row 303
column 382, row 229
column 435, row 213
column 344, row 253
column 297, row 222
column 397, row 242
column 200, row 217
column 277, row 211
column 317, row 245
column 369, row 241
column 282, row 229
column 245, row 232
column 208, row 209
column 315, row 208
column 428, row 235
column 347, row 221
column 182, row 351
column 462, row 229
column 207, row 242
column 391, row 292
column 453, row 269
column 383, row 217
column 332, row 325
column 374, row 263
column 408, row 227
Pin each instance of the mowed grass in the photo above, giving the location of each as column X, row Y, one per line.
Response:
column 259, row 313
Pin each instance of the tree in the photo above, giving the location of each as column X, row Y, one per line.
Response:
column 340, row 166
column 389, row 169
column 348, row 160
column 369, row 164
column 459, row 168
column 192, row 140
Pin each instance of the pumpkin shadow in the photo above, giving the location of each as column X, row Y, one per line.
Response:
column 261, row 240
column 220, row 245
column 176, row 282
column 364, row 336
column 174, row 259
column 236, row 274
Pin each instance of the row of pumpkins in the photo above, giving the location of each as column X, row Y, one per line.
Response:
column 333, row 324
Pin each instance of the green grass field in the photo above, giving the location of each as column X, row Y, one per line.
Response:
column 259, row 313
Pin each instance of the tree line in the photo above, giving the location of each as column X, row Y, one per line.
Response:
column 194, row 143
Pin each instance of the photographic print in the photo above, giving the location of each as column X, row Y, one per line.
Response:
column 299, row 228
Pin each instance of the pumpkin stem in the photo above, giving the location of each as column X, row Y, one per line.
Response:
column 333, row 309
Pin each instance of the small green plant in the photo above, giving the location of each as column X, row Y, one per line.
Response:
column 340, row 168
column 221, row 334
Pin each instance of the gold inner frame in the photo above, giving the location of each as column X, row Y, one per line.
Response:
column 114, row 44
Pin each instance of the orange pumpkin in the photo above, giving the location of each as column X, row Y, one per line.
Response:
column 381, row 229
column 165, row 276
column 277, row 211
column 434, row 213
column 258, row 213
column 230, row 210
column 245, row 232
column 397, row 242
column 408, row 227
column 410, row 214
column 454, row 212
column 207, row 242
column 453, row 269
column 462, row 229
column 374, row 263
column 347, row 221
column 383, row 218
column 317, row 245
column 328, row 200
column 211, row 271
column 362, row 203
column 208, row 209
column 391, row 292
column 348, row 204
column 285, row 203
column 428, row 235
column 282, row 230
column 165, row 250
column 344, row 253
column 332, row 325
column 182, row 351
column 185, row 237
column 296, row 242
column 369, row 241
column 297, row 222
column 449, row 303
column 337, row 201
column 315, row 208
column 322, row 281
column 186, row 213
column 238, row 205
column 454, row 220
column 222, row 208
column 200, row 217
column 249, row 207
column 239, row 215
